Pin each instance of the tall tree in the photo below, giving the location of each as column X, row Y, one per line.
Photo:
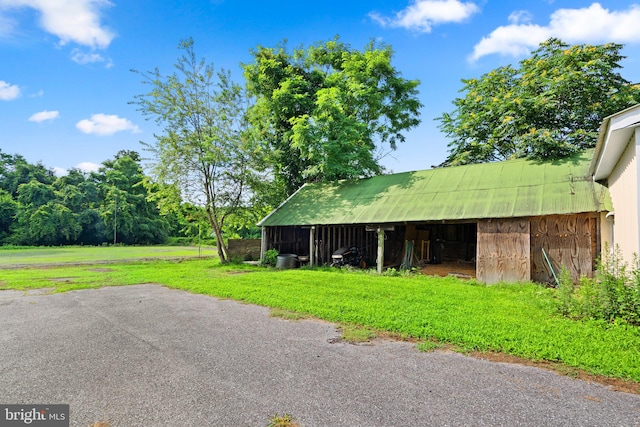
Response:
column 15, row 170
column 80, row 192
column 127, row 207
column 328, row 112
column 42, row 219
column 8, row 210
column 205, row 148
column 549, row 107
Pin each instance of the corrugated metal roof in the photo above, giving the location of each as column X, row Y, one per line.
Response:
column 513, row 188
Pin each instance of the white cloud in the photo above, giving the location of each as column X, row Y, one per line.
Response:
column 104, row 124
column 76, row 21
column 44, row 116
column 82, row 58
column 422, row 15
column 593, row 24
column 57, row 171
column 8, row 92
column 88, row 167
column 520, row 17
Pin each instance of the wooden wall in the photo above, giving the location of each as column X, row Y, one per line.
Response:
column 570, row 241
column 503, row 250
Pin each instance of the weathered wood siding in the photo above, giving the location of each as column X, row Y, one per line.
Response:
column 503, row 250
column 570, row 241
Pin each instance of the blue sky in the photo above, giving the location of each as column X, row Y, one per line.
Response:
column 65, row 65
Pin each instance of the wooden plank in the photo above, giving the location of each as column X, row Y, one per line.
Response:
column 569, row 242
column 503, row 250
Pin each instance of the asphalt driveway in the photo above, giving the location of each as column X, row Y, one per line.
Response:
column 150, row 356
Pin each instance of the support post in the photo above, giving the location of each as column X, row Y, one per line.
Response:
column 380, row 258
column 312, row 246
column 263, row 244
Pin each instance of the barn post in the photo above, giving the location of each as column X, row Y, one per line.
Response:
column 312, row 246
column 380, row 258
column 263, row 244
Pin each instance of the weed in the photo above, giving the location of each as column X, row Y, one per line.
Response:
column 285, row 420
column 612, row 296
column 287, row 314
column 357, row 333
column 428, row 346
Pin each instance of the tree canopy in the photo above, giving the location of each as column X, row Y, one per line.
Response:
column 550, row 107
column 328, row 112
column 36, row 208
column 205, row 149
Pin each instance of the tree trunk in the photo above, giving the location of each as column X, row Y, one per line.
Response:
column 217, row 229
column 222, row 248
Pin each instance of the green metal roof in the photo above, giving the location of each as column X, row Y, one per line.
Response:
column 513, row 188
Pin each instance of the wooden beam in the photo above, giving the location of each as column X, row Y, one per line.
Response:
column 380, row 258
column 312, row 246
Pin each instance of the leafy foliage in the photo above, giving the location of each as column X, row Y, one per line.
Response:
column 550, row 107
column 126, row 204
column 613, row 296
column 327, row 112
column 270, row 257
column 77, row 208
column 205, row 149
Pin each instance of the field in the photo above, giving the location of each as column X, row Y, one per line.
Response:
column 14, row 257
column 515, row 319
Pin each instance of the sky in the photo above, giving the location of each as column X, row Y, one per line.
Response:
column 66, row 83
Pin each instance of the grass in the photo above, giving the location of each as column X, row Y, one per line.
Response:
column 517, row 319
column 11, row 256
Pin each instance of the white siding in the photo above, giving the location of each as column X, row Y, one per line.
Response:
column 623, row 188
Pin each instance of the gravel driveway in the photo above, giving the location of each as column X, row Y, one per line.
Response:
column 151, row 356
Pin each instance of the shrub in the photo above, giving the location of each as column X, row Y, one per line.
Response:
column 613, row 295
column 270, row 258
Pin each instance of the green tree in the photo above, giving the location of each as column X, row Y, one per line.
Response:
column 328, row 112
column 15, row 170
column 126, row 206
column 8, row 210
column 42, row 219
column 550, row 107
column 205, row 149
column 80, row 192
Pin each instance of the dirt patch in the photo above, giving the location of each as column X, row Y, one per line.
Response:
column 100, row 270
column 463, row 270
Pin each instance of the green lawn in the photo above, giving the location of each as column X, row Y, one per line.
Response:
column 87, row 254
column 518, row 319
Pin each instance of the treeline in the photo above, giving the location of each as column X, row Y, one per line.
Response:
column 118, row 203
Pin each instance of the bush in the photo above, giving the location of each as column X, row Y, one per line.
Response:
column 270, row 258
column 613, row 295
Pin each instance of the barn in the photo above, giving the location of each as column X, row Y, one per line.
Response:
column 510, row 221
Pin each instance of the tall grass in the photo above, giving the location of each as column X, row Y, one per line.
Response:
column 519, row 319
column 612, row 296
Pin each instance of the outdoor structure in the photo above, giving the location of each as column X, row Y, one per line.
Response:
column 512, row 220
column 615, row 164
